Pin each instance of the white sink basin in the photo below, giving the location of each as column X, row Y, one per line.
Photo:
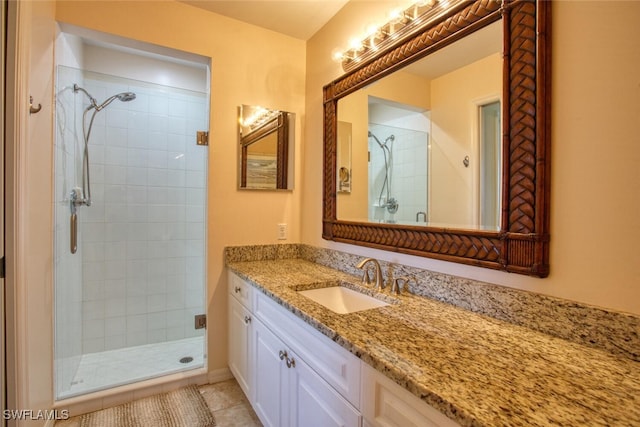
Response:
column 342, row 300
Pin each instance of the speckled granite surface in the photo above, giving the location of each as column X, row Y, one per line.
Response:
column 478, row 370
column 618, row 333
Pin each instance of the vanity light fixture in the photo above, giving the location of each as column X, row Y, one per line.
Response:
column 258, row 117
column 401, row 24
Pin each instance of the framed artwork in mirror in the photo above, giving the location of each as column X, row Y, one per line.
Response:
column 343, row 157
column 265, row 148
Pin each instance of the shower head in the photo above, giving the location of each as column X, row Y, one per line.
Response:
column 124, row 97
column 389, row 138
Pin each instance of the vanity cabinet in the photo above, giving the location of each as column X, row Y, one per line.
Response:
column 336, row 365
column 241, row 333
column 289, row 393
column 295, row 376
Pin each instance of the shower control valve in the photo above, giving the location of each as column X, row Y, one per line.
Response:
column 76, row 199
column 392, row 205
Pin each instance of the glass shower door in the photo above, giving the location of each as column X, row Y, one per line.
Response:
column 125, row 302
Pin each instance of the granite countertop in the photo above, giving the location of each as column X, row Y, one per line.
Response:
column 475, row 369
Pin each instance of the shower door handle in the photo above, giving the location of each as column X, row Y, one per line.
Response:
column 74, row 233
column 73, row 224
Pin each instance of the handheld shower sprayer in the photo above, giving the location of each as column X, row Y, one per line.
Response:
column 82, row 196
column 124, row 97
column 389, row 202
column 85, row 197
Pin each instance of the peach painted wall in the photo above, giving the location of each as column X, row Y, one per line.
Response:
column 453, row 118
column 249, row 65
column 595, row 199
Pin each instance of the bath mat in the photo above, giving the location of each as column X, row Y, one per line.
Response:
column 184, row 407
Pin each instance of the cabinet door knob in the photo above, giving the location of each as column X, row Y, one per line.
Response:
column 237, row 289
column 291, row 363
column 247, row 319
column 283, row 354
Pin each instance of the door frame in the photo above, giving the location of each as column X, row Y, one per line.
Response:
column 3, row 365
column 28, row 241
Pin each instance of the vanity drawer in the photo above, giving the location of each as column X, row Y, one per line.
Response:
column 240, row 290
column 333, row 363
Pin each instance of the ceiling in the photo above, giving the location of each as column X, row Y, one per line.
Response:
column 296, row 18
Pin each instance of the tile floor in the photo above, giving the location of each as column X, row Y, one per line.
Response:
column 111, row 368
column 227, row 403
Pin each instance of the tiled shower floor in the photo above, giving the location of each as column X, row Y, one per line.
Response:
column 111, row 368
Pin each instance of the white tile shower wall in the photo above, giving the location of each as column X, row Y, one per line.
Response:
column 143, row 257
column 67, row 266
column 410, row 180
column 408, row 170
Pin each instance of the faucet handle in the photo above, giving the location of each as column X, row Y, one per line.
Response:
column 395, row 286
column 366, row 279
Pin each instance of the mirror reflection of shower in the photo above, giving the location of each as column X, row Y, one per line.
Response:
column 84, row 198
column 388, row 202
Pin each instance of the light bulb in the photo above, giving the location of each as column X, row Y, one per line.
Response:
column 337, row 55
column 355, row 44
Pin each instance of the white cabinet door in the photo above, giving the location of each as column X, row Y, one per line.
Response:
column 288, row 393
column 240, row 352
column 314, row 403
column 271, row 388
column 333, row 363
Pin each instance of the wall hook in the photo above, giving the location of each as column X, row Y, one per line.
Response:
column 32, row 109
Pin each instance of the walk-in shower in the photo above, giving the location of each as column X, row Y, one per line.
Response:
column 135, row 181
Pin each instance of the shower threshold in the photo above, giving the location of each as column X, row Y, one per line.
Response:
column 111, row 368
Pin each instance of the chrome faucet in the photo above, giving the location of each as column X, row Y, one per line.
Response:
column 379, row 281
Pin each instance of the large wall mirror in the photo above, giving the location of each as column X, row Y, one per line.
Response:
column 265, row 148
column 448, row 135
